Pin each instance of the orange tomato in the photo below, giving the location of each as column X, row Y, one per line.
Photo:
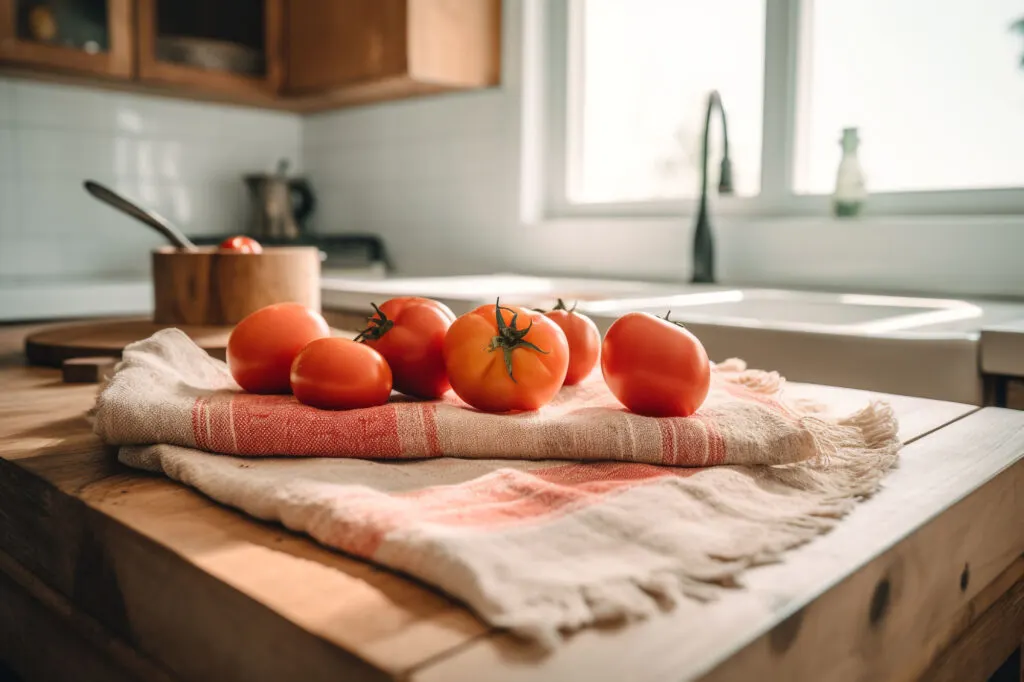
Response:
column 654, row 366
column 504, row 358
column 263, row 345
column 584, row 341
column 340, row 374
column 409, row 332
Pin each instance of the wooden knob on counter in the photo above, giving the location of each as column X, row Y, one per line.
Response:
column 87, row 370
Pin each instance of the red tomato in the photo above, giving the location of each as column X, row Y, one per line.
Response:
column 584, row 341
column 264, row 344
column 502, row 358
column 339, row 374
column 655, row 367
column 241, row 244
column 409, row 332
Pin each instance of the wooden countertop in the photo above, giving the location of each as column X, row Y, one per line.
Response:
column 132, row 576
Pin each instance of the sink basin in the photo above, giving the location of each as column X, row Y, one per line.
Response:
column 463, row 293
column 798, row 310
column 891, row 344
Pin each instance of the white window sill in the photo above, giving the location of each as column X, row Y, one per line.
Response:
column 939, row 255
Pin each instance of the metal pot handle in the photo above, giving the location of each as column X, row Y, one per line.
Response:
column 303, row 200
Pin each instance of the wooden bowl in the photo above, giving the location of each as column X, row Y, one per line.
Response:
column 214, row 287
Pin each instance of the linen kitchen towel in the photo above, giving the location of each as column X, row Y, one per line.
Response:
column 541, row 522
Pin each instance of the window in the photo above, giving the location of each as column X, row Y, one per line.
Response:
column 647, row 66
column 936, row 90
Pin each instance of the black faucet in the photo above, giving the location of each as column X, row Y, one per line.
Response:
column 703, row 243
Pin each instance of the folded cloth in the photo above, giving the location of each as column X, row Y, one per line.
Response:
column 532, row 544
column 168, row 390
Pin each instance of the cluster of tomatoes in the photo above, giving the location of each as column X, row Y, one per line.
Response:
column 496, row 358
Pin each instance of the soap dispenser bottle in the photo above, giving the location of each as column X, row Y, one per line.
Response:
column 850, row 191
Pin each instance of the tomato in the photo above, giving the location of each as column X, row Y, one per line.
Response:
column 409, row 332
column 503, row 358
column 584, row 341
column 263, row 345
column 340, row 374
column 241, row 244
column 654, row 366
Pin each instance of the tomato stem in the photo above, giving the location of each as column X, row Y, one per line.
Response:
column 510, row 337
column 561, row 306
column 378, row 326
column 675, row 322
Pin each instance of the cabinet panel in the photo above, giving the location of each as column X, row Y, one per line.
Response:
column 82, row 36
column 455, row 42
column 334, row 43
column 231, row 47
column 343, row 52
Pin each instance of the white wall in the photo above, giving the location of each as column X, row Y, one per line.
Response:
column 437, row 178
column 184, row 159
column 447, row 181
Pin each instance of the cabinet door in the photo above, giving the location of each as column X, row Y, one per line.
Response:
column 83, row 36
column 230, row 47
column 335, row 43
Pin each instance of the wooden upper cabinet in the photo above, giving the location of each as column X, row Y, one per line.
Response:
column 229, row 47
column 301, row 55
column 91, row 37
column 348, row 51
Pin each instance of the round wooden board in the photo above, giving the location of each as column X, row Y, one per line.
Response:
column 53, row 345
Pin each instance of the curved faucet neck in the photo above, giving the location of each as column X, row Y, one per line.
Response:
column 714, row 103
column 703, row 240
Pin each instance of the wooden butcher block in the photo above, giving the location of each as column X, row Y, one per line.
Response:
column 51, row 346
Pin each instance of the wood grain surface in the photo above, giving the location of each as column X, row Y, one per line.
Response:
column 204, row 592
column 51, row 345
column 86, row 650
column 213, row 287
column 874, row 599
column 87, row 370
column 363, row 50
column 999, row 611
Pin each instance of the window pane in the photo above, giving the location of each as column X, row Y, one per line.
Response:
column 645, row 69
column 936, row 88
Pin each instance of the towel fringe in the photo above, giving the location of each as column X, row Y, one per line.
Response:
column 863, row 445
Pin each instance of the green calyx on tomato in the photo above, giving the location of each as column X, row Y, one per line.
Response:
column 560, row 305
column 510, row 337
column 378, row 326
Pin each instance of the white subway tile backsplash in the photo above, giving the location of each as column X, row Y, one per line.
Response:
column 183, row 159
column 414, row 119
column 432, row 160
column 66, row 153
column 57, row 205
column 30, row 257
column 8, row 163
column 6, row 102
column 10, row 219
column 162, row 117
column 43, row 105
column 432, row 177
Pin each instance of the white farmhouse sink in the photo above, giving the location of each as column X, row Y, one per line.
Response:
column 801, row 310
column 895, row 344
column 913, row 346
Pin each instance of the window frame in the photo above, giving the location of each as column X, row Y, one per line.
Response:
column 787, row 36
